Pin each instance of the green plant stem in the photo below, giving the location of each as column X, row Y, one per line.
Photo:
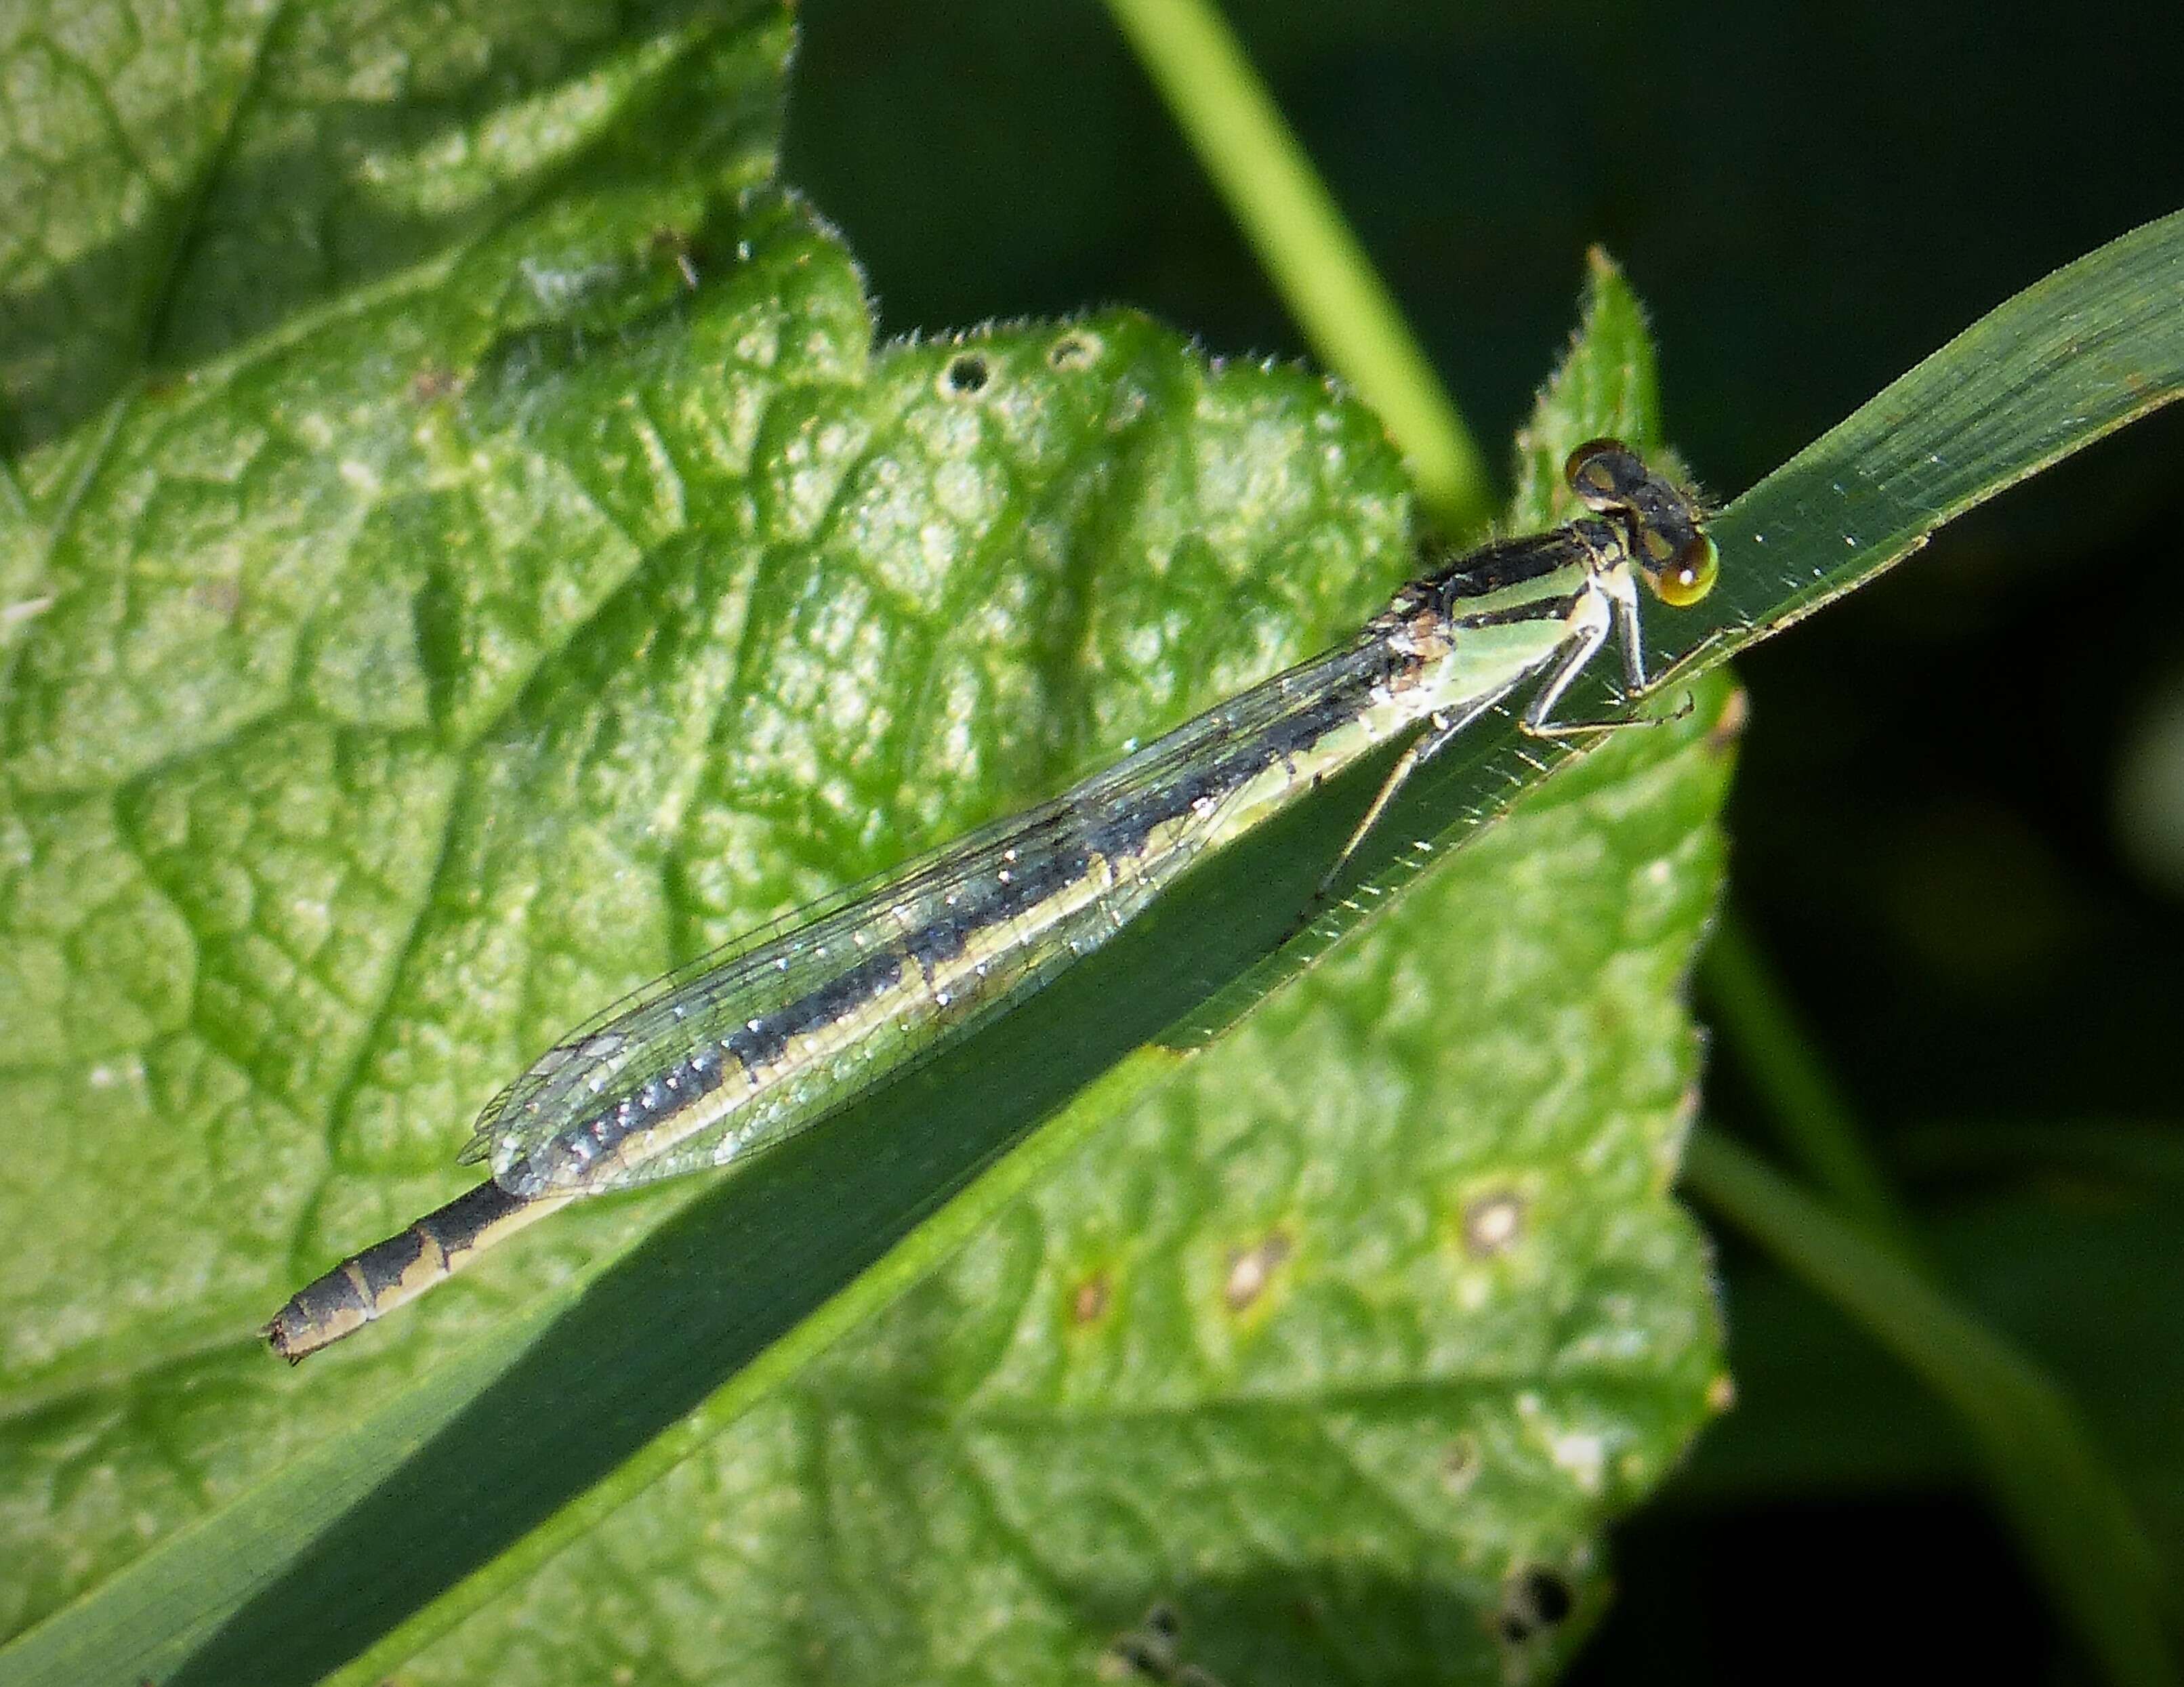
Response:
column 2067, row 1511
column 1307, row 248
column 1757, row 1020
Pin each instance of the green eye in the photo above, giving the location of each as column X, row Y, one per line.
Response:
column 1690, row 574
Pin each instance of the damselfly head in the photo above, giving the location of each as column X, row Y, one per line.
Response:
column 1662, row 522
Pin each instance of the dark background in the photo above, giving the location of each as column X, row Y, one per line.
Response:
column 1934, row 830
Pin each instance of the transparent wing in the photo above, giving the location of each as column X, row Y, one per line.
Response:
column 865, row 981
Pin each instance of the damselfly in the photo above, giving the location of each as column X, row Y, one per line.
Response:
column 740, row 1051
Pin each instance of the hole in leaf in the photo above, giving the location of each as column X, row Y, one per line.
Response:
column 1533, row 1601
column 1073, row 351
column 966, row 374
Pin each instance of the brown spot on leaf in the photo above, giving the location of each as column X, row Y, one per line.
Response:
column 1494, row 1224
column 221, row 597
column 1251, row 1269
column 434, row 382
column 1088, row 1302
column 1459, row 1463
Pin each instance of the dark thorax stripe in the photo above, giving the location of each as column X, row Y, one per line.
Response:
column 1555, row 608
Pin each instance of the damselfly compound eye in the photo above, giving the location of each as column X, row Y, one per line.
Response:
column 1602, row 471
column 1689, row 573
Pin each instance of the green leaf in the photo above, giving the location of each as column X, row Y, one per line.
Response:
column 2090, row 348
column 1338, row 1347
column 407, row 655
column 2075, row 356
column 184, row 180
column 434, row 651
